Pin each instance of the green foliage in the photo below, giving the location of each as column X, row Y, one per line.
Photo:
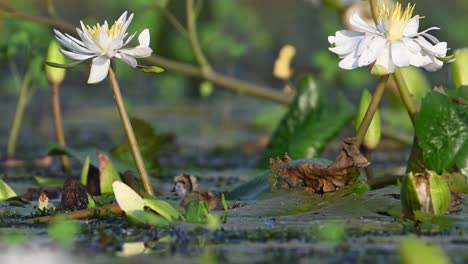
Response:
column 415, row 250
column 150, row 143
column 107, row 175
column 163, row 208
column 332, row 231
column 442, row 131
column 310, row 123
column 5, row 191
column 63, row 232
column 134, row 207
column 198, row 212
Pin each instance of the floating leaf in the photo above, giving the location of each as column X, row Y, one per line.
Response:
column 5, row 191
column 415, row 250
column 310, row 123
column 442, row 131
column 163, row 208
column 107, row 173
column 128, row 200
column 199, row 213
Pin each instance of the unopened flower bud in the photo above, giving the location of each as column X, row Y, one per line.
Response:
column 55, row 75
column 460, row 68
column 424, row 192
column 372, row 137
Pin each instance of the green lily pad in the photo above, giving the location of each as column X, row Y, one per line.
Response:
column 309, row 124
column 442, row 131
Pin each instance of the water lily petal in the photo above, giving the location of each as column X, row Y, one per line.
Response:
column 137, row 52
column 70, row 43
column 144, row 38
column 99, row 69
column 411, row 45
column 411, row 28
column 384, row 59
column 400, row 54
column 127, row 23
column 440, row 49
column 374, row 48
column 349, row 62
column 77, row 56
column 360, row 24
column 434, row 65
column 127, row 59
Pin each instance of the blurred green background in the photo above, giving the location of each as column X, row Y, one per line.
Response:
column 241, row 38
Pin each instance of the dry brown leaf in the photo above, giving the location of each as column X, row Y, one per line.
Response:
column 74, row 196
column 319, row 178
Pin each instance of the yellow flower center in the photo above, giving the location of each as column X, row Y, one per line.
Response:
column 115, row 30
column 394, row 18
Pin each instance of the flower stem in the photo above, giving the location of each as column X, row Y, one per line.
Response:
column 193, row 37
column 366, row 121
column 404, row 93
column 19, row 114
column 58, row 124
column 130, row 134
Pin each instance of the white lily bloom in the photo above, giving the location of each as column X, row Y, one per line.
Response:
column 393, row 42
column 101, row 44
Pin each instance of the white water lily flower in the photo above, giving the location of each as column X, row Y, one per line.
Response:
column 102, row 43
column 394, row 42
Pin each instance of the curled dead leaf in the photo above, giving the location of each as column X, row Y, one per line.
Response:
column 315, row 177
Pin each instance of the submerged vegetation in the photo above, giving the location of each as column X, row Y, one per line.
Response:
column 311, row 187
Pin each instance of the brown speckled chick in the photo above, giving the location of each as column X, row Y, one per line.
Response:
column 187, row 188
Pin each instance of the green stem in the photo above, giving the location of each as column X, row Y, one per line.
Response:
column 130, row 134
column 193, row 37
column 405, row 94
column 59, row 125
column 19, row 114
column 374, row 104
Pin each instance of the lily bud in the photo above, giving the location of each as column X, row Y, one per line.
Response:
column 372, row 137
column 460, row 68
column 282, row 69
column 424, row 192
column 55, row 75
